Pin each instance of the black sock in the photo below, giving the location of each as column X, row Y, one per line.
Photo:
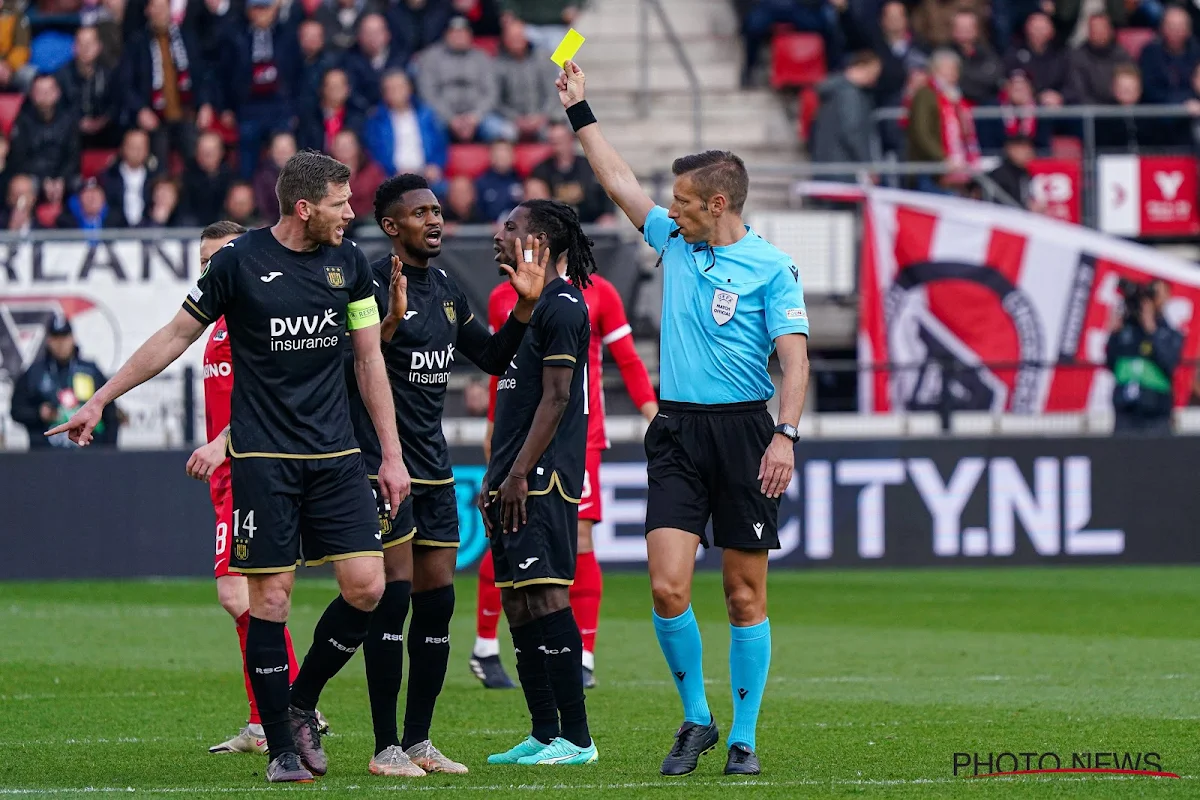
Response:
column 535, row 681
column 384, row 653
column 428, row 655
column 267, row 662
column 564, row 664
column 339, row 632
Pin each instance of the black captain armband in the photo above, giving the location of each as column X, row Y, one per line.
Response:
column 580, row 115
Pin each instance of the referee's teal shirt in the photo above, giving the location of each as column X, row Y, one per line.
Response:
column 723, row 308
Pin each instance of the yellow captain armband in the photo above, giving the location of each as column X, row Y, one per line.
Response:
column 362, row 314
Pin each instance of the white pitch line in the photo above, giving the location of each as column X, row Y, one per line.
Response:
column 19, row 698
column 731, row 783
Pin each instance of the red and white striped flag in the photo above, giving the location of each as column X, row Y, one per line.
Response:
column 1017, row 304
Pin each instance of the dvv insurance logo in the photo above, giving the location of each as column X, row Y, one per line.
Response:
column 1008, row 764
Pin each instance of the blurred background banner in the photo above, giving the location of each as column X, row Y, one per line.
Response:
column 914, row 502
column 1008, row 300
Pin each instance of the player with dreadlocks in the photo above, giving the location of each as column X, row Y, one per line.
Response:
column 530, row 497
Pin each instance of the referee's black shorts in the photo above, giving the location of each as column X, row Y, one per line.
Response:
column 702, row 463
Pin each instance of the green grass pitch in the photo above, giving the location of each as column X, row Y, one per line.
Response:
column 877, row 679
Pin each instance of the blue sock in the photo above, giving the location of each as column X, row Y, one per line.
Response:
column 749, row 662
column 679, row 638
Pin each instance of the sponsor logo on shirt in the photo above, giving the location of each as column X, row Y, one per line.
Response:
column 431, row 366
column 797, row 313
column 308, row 332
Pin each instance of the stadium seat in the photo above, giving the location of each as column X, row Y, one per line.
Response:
column 471, row 160
column 1066, row 147
column 797, row 59
column 529, row 156
column 93, row 162
column 488, row 44
column 1134, row 39
column 809, row 103
column 10, row 106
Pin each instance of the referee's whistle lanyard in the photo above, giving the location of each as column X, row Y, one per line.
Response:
column 696, row 248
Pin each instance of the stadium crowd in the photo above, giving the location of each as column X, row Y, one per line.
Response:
column 155, row 113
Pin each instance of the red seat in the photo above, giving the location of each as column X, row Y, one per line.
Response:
column 488, row 44
column 10, row 106
column 1066, row 147
column 93, row 162
column 47, row 214
column 1134, row 39
column 529, row 156
column 471, row 160
column 797, row 59
column 809, row 103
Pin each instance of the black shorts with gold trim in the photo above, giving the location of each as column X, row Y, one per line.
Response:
column 393, row 531
column 428, row 517
column 290, row 510
column 542, row 551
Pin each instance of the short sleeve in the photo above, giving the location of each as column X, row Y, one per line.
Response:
column 658, row 228
column 564, row 328
column 614, row 325
column 208, row 299
column 361, row 311
column 785, row 302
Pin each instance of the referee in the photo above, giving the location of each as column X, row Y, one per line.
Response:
column 713, row 451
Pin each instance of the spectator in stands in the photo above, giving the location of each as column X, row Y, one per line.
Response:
column 1012, row 176
column 417, row 24
column 214, row 22
column 940, row 125
column 87, row 210
column 1091, row 65
column 527, row 93
column 933, row 21
column 571, row 179
column 461, row 207
column 811, row 16
column 206, row 181
column 460, row 83
column 315, row 60
column 548, row 20
column 373, row 56
column 476, row 397
column 164, row 210
column 168, row 92
column 127, row 181
column 900, row 56
column 1167, row 63
column 499, row 189
column 535, row 189
column 1128, row 133
column 44, row 139
column 239, row 206
column 365, row 174
column 982, row 71
column 55, row 386
column 842, row 130
column 404, row 135
column 339, row 19
column 1041, row 60
column 90, row 89
column 282, row 147
column 15, row 70
column 20, row 200
column 260, row 81
column 1019, row 105
column 107, row 17
column 336, row 110
column 1143, row 353
column 484, row 15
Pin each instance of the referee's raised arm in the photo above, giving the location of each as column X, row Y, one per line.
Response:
column 610, row 169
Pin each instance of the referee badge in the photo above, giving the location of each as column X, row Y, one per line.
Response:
column 335, row 277
column 451, row 314
column 723, row 305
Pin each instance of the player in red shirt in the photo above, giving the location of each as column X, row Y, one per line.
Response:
column 210, row 463
column 609, row 327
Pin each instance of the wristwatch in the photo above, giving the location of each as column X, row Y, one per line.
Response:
column 790, row 431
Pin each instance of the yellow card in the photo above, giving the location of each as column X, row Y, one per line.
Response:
column 568, row 47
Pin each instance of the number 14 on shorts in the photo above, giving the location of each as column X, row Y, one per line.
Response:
column 241, row 542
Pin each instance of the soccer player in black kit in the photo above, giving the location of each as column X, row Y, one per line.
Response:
column 291, row 296
column 533, row 484
column 427, row 323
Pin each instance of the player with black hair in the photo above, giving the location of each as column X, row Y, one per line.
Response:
column 530, row 497
column 426, row 322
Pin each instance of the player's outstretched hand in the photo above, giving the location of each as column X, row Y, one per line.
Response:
column 394, row 483
column 206, row 459
column 79, row 427
column 775, row 470
column 570, row 84
column 530, row 275
column 512, row 496
column 398, row 290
